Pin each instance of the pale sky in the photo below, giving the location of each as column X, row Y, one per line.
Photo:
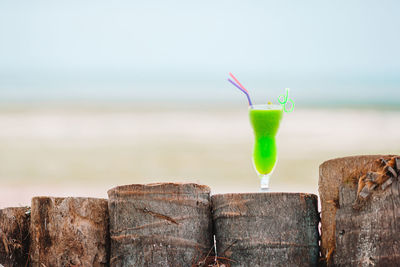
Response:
column 203, row 39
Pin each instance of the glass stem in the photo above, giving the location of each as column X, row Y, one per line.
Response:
column 264, row 182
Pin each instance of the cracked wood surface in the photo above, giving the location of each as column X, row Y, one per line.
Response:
column 163, row 224
column 267, row 229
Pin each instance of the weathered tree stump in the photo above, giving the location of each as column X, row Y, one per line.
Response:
column 267, row 229
column 14, row 236
column 360, row 212
column 165, row 224
column 69, row 232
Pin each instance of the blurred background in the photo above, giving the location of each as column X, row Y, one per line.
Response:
column 95, row 94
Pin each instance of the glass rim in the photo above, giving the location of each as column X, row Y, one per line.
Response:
column 266, row 106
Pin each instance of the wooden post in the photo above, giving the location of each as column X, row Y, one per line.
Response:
column 69, row 232
column 164, row 224
column 267, row 229
column 360, row 205
column 14, row 236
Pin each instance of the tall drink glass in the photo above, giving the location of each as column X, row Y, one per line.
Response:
column 265, row 120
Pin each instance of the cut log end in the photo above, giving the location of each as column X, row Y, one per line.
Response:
column 152, row 188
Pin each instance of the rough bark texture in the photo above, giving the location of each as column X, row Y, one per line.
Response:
column 165, row 224
column 267, row 229
column 364, row 236
column 69, row 232
column 14, row 236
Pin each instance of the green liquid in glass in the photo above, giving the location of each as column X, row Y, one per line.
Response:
column 265, row 120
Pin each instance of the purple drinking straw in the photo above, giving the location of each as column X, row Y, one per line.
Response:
column 240, row 88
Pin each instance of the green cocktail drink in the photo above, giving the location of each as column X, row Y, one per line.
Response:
column 265, row 120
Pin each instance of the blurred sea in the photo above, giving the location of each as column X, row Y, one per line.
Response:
column 307, row 89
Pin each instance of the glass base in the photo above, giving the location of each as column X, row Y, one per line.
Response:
column 264, row 182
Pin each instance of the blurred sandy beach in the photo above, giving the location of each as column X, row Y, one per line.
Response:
column 86, row 151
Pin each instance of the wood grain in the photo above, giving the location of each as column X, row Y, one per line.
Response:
column 163, row 224
column 14, row 236
column 69, row 232
column 267, row 229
